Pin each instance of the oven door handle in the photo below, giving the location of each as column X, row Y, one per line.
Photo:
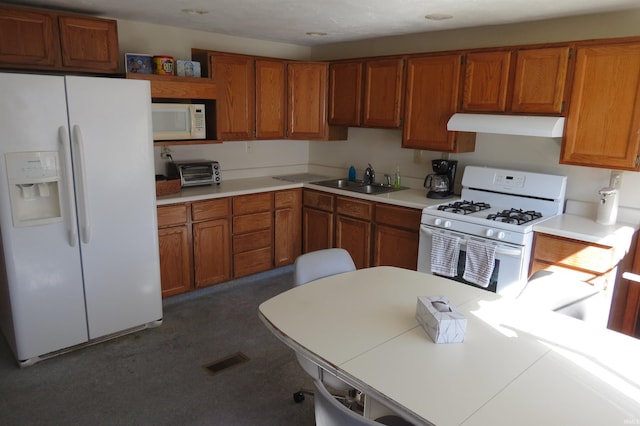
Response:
column 500, row 250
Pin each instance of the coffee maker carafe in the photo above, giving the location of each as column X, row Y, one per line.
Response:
column 439, row 184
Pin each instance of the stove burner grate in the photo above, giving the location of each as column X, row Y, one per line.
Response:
column 464, row 207
column 515, row 216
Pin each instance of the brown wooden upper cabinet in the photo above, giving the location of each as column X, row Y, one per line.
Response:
column 486, row 76
column 307, row 103
column 40, row 39
column 539, row 82
column 530, row 81
column 345, row 93
column 382, row 103
column 366, row 92
column 271, row 101
column 603, row 121
column 234, row 76
column 431, row 97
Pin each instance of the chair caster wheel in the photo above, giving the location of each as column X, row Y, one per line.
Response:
column 298, row 397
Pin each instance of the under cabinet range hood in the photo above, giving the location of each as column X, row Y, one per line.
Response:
column 523, row 125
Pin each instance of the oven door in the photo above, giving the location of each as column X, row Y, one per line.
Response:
column 510, row 268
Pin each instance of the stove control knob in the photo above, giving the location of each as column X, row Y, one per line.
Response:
column 447, row 224
column 437, row 222
column 488, row 233
column 500, row 235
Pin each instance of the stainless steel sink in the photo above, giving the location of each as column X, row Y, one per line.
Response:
column 355, row 186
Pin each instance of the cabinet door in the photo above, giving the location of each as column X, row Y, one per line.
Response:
column 175, row 260
column 432, row 95
column 354, row 235
column 288, row 226
column 486, row 79
column 317, row 229
column 540, row 80
column 28, row 38
column 89, row 43
column 603, row 122
column 270, row 99
column 235, row 106
column 212, row 252
column 395, row 247
column 307, row 100
column 345, row 93
column 383, row 92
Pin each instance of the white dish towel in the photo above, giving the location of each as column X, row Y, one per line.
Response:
column 445, row 251
column 480, row 260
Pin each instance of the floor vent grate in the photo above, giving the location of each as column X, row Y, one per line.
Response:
column 225, row 363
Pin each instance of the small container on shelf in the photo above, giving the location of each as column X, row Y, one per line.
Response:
column 163, row 65
column 188, row 68
column 138, row 63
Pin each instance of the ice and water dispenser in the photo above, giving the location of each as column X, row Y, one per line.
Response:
column 34, row 186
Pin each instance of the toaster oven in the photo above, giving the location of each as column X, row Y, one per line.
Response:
column 196, row 172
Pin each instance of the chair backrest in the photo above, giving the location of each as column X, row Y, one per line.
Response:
column 330, row 412
column 321, row 263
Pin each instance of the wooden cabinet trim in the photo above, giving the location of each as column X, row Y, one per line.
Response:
column 252, row 222
column 318, row 200
column 211, row 209
column 398, row 216
column 172, row 215
column 353, row 207
column 252, row 203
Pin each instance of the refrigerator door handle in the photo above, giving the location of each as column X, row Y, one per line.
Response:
column 63, row 137
column 83, row 201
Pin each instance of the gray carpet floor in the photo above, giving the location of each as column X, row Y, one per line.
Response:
column 156, row 376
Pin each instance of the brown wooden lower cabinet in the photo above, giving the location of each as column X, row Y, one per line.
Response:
column 175, row 259
column 287, row 226
column 211, row 255
column 373, row 233
column 252, row 233
column 396, row 236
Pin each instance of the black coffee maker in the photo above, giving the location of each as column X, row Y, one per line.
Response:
column 439, row 184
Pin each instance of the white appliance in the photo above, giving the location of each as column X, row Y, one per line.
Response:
column 178, row 121
column 497, row 208
column 79, row 260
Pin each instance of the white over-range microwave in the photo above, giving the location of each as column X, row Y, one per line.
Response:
column 178, row 121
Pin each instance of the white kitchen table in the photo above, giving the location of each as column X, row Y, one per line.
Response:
column 516, row 365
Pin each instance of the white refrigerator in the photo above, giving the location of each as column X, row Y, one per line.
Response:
column 79, row 261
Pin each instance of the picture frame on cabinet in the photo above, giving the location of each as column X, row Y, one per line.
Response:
column 138, row 63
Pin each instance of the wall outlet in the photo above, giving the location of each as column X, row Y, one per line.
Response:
column 165, row 153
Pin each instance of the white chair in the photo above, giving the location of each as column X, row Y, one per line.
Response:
column 310, row 267
column 330, row 412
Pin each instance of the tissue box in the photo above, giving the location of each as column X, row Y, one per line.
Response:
column 188, row 68
column 440, row 319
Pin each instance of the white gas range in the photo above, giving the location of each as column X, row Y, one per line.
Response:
column 495, row 217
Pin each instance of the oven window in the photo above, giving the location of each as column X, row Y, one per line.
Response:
column 493, row 281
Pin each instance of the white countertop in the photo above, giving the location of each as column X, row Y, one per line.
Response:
column 413, row 198
column 586, row 229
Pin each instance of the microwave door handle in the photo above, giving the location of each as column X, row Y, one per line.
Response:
column 72, row 230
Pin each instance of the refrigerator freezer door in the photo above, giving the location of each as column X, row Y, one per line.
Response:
column 115, row 191
column 41, row 298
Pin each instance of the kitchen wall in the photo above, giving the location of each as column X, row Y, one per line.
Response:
column 382, row 147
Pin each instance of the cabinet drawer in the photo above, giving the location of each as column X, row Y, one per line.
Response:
column 211, row 209
column 287, row 199
column 318, row 200
column 354, row 208
column 573, row 253
column 172, row 215
column 252, row 241
column 400, row 217
column 252, row 222
column 253, row 203
column 252, row 262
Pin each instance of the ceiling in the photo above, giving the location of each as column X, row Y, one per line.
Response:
column 316, row 22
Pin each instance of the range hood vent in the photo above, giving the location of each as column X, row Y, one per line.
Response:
column 523, row 125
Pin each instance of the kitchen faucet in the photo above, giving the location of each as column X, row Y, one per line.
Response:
column 369, row 175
